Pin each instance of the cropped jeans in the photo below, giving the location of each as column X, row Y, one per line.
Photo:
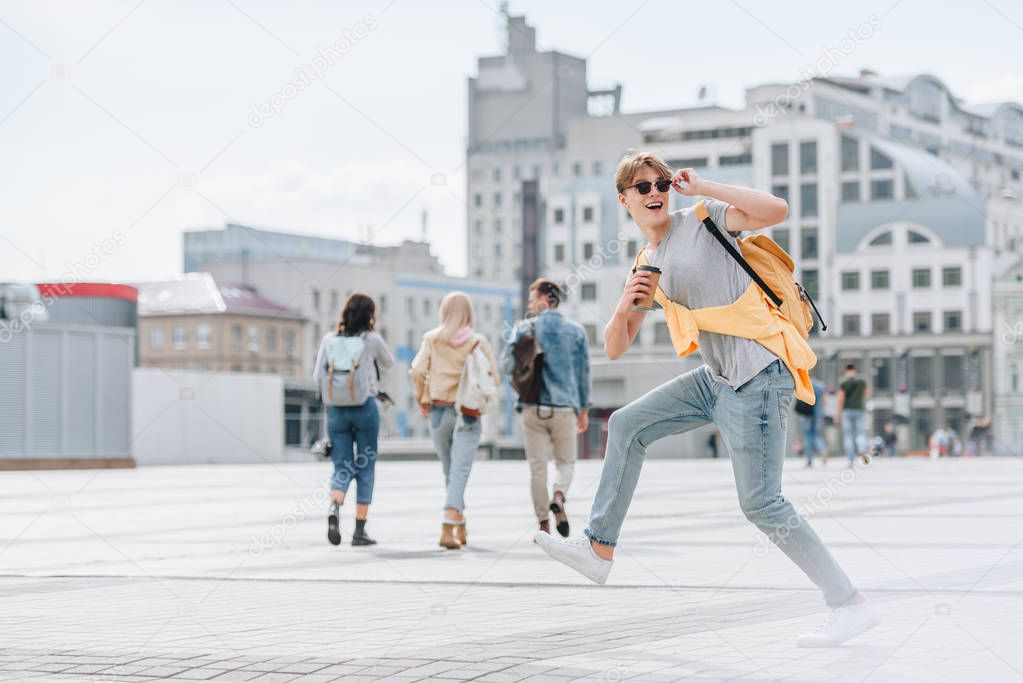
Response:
column 854, row 433
column 456, row 440
column 753, row 421
column 353, row 436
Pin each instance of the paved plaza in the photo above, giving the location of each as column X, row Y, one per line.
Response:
column 224, row 573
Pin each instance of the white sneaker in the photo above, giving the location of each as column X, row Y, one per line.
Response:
column 842, row 624
column 577, row 554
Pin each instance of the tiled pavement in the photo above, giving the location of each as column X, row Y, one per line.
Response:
column 223, row 573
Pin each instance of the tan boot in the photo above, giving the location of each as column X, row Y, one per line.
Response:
column 447, row 537
column 460, row 533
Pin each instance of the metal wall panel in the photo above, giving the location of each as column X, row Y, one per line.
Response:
column 117, row 355
column 44, row 376
column 80, row 384
column 12, row 396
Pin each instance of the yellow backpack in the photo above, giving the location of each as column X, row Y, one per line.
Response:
column 772, row 269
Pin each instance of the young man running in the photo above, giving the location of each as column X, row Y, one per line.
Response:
column 743, row 388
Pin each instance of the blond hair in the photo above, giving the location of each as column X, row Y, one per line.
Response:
column 633, row 162
column 455, row 313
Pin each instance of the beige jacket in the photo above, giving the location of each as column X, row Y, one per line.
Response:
column 437, row 368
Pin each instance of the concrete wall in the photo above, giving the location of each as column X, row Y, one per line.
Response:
column 182, row 416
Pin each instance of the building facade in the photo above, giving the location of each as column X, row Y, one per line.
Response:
column 903, row 201
column 1008, row 361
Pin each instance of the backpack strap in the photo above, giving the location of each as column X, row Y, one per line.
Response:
column 704, row 217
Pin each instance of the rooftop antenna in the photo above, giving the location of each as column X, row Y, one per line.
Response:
column 502, row 27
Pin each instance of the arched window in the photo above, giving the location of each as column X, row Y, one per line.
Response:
column 882, row 239
column 917, row 238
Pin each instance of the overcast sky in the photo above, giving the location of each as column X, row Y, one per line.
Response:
column 132, row 121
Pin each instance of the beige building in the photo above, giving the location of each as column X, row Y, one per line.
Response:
column 192, row 323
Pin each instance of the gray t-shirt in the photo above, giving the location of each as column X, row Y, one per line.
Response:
column 697, row 272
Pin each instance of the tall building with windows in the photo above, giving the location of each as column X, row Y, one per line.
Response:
column 903, row 202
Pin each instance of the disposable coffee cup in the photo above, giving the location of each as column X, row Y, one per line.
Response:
column 647, row 303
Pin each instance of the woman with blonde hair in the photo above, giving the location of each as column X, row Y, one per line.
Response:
column 435, row 373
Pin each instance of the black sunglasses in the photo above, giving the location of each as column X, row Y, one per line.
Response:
column 643, row 187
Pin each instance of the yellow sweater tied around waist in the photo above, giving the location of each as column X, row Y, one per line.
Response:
column 752, row 316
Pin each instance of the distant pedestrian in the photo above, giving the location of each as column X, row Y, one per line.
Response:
column 712, row 443
column 812, row 418
column 890, row 438
column 454, row 367
column 346, row 370
column 852, row 396
column 553, row 418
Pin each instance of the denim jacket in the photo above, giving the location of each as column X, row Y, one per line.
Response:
column 566, row 366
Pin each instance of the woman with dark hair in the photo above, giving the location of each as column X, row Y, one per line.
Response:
column 346, row 371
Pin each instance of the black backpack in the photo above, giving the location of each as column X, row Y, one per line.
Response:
column 527, row 376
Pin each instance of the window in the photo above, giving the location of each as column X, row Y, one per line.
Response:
column 559, row 253
column 881, row 189
column 921, row 278
column 589, row 291
column 694, row 162
column 204, row 367
column 953, row 321
column 851, row 324
column 477, row 199
column 316, row 300
column 884, row 238
column 598, row 168
column 383, row 304
column 851, row 191
column 498, row 225
column 808, row 157
column 922, row 321
column 591, row 333
column 780, row 191
column 808, row 199
column 808, row 243
column 333, row 300
column 289, row 343
column 882, row 375
column 735, row 159
column 851, row 280
column 952, row 276
column 917, row 238
column 236, row 367
column 781, row 236
column 661, row 334
column 880, row 323
column 427, row 308
column 879, row 161
column 271, row 369
column 497, row 199
column 952, row 374
column 780, row 158
column 517, row 172
column 811, row 282
column 923, row 373
column 253, row 338
column 879, row 279
column 156, row 337
column 577, row 169
column 203, row 336
column 559, row 216
column 850, row 154
column 236, row 336
column 271, row 339
column 587, row 250
column 498, row 251
column 497, row 174
column 587, row 214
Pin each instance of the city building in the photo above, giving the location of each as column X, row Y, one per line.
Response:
column 1008, row 361
column 193, row 323
column 407, row 284
column 903, row 202
column 66, row 356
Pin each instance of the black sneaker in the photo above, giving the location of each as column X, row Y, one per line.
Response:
column 560, row 516
column 334, row 525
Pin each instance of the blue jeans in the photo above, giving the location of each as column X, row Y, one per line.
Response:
column 854, row 433
column 752, row 420
column 456, row 440
column 813, row 435
column 353, row 435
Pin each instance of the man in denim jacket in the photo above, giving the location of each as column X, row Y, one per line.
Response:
column 553, row 423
